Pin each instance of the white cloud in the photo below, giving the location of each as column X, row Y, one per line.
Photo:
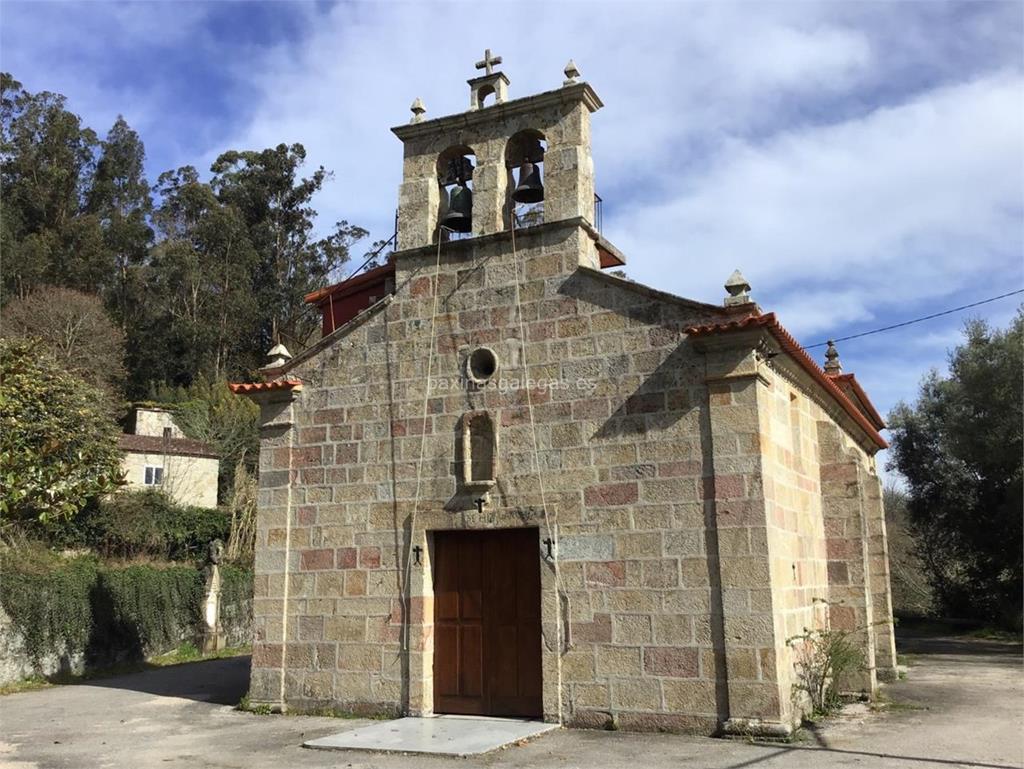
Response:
column 859, row 165
column 861, row 162
column 838, row 223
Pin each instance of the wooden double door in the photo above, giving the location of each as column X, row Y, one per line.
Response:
column 487, row 635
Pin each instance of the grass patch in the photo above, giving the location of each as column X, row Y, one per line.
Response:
column 187, row 652
column 183, row 655
column 994, row 634
column 25, row 685
column 329, row 711
column 883, row 704
column 246, row 705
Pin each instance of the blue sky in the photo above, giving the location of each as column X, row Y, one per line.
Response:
column 862, row 163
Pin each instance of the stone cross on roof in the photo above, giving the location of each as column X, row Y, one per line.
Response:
column 488, row 62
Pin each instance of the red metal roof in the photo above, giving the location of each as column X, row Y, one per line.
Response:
column 608, row 259
column 350, row 285
column 786, row 341
column 251, row 388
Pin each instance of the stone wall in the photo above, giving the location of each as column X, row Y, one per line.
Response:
column 71, row 658
column 687, row 506
column 621, row 479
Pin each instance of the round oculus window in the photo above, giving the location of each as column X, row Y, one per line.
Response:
column 481, row 364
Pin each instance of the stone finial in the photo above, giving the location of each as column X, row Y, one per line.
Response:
column 832, row 364
column 417, row 110
column 277, row 357
column 571, row 73
column 738, row 289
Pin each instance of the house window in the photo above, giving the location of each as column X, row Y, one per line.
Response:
column 168, row 432
column 154, row 476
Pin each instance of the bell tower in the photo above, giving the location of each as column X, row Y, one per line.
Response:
column 500, row 165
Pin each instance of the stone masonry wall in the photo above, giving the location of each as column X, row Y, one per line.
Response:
column 680, row 502
column 795, row 527
column 631, row 638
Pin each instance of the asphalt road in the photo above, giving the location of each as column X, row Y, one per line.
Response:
column 961, row 705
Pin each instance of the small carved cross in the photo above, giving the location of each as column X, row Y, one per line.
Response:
column 417, row 551
column 548, row 543
column 488, row 62
column 479, row 502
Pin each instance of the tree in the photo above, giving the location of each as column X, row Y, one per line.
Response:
column 202, row 312
column 208, row 411
column 275, row 203
column 911, row 592
column 120, row 197
column 46, row 160
column 58, row 449
column 74, row 329
column 959, row 448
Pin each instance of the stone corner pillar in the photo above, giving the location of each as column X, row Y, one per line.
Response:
column 880, row 582
column 739, row 538
column 273, row 556
column 850, row 604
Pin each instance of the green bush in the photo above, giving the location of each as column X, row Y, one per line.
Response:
column 49, row 600
column 58, row 447
column 145, row 609
column 145, row 523
column 109, row 613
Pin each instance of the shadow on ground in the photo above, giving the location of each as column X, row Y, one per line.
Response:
column 912, row 642
column 220, row 682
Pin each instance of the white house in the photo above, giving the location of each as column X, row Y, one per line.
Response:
column 158, row 455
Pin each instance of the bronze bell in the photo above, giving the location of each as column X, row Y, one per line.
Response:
column 459, row 216
column 530, row 189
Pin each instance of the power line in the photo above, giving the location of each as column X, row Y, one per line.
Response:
column 917, row 320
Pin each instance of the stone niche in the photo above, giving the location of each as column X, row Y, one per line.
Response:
column 479, row 450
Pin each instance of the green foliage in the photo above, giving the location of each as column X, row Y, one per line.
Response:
column 48, row 600
column 108, row 612
column 58, row 449
column 46, row 161
column 235, row 585
column 265, row 188
column 823, row 659
column 149, row 523
column 959, row 449
column 143, row 608
column 201, row 284
column 208, row 411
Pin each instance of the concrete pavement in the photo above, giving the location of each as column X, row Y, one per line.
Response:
column 962, row 705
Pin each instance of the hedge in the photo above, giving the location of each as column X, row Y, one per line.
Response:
column 110, row 613
column 142, row 523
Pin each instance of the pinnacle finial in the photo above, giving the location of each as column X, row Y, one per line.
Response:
column 277, row 357
column 571, row 73
column 738, row 289
column 417, row 110
column 832, row 364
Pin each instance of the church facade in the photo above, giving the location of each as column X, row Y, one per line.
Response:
column 508, row 482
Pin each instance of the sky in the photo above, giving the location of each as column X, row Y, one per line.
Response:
column 861, row 162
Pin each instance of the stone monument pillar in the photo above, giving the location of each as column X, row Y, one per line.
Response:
column 213, row 631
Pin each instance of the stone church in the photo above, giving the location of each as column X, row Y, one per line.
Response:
column 506, row 481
